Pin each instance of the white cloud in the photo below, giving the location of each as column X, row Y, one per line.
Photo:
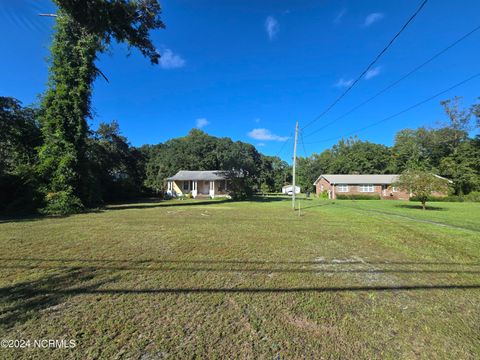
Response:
column 373, row 18
column 261, row 144
column 271, row 27
column 339, row 17
column 265, row 135
column 257, row 120
column 344, row 83
column 372, row 72
column 202, row 122
column 170, row 60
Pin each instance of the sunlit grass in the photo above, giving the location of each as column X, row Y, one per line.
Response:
column 183, row 279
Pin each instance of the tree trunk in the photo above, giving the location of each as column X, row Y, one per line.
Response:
column 424, row 206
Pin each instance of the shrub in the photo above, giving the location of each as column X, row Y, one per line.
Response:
column 61, row 203
column 358, row 197
column 449, row 198
column 474, row 196
column 324, row 194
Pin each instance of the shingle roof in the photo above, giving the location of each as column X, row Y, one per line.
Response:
column 359, row 179
column 199, row 175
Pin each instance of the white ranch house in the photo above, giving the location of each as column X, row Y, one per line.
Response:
column 212, row 183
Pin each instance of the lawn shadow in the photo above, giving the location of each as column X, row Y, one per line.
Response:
column 32, row 299
column 29, row 299
column 235, row 262
column 166, row 203
column 419, row 207
column 20, row 218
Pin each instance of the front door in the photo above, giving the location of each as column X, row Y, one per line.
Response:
column 206, row 187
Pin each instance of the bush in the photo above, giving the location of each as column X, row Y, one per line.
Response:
column 474, row 196
column 358, row 197
column 449, row 198
column 324, row 194
column 61, row 203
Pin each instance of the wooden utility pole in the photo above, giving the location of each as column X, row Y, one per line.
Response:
column 294, row 165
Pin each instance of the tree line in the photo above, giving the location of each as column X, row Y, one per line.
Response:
column 111, row 169
column 446, row 150
column 52, row 162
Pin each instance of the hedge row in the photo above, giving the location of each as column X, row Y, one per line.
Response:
column 357, row 197
column 472, row 197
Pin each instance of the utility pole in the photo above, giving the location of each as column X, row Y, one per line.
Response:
column 294, row 165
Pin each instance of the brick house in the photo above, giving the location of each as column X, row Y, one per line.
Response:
column 360, row 184
column 381, row 185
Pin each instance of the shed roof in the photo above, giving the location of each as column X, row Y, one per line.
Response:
column 287, row 186
column 359, row 179
column 187, row 175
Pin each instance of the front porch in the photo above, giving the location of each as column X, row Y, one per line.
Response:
column 197, row 188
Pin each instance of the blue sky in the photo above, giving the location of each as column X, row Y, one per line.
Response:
column 250, row 69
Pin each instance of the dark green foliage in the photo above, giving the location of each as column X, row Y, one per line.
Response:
column 62, row 203
column 421, row 184
column 447, row 151
column 347, row 157
column 117, row 168
column 357, row 197
column 273, row 174
column 125, row 21
column 200, row 151
column 83, row 29
column 449, row 198
column 472, row 197
column 19, row 137
column 65, row 108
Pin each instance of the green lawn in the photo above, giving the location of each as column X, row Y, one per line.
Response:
column 187, row 279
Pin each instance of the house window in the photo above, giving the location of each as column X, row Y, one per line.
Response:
column 186, row 185
column 366, row 188
column 342, row 188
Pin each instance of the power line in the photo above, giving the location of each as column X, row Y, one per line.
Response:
column 397, row 81
column 402, row 111
column 303, row 144
column 369, row 66
column 283, row 146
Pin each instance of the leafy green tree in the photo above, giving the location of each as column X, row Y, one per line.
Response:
column 19, row 137
column 421, row 184
column 117, row 168
column 476, row 113
column 308, row 170
column 273, row 173
column 462, row 167
column 409, row 150
column 459, row 121
column 200, row 151
column 83, row 29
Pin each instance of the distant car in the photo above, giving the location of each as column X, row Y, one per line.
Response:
column 290, row 193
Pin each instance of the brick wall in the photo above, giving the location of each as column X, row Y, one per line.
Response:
column 388, row 193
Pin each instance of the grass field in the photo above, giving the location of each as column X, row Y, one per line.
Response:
column 186, row 279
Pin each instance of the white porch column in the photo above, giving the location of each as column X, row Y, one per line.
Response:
column 169, row 188
column 212, row 189
column 194, row 188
